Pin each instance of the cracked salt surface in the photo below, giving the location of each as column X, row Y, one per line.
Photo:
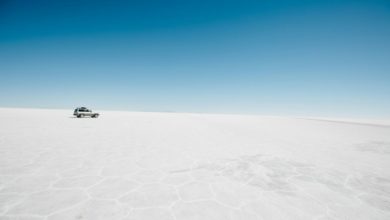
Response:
column 130, row 165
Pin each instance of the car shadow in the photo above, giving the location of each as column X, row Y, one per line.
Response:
column 74, row 117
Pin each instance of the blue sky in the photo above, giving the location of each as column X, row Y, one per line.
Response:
column 317, row 58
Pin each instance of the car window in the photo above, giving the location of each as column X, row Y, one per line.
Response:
column 83, row 110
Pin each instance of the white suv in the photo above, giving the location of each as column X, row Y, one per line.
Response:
column 83, row 111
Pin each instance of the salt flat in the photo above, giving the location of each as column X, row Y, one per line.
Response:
column 176, row 166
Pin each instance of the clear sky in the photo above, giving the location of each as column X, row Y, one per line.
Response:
column 325, row 58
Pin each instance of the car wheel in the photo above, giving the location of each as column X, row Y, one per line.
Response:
column 79, row 116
